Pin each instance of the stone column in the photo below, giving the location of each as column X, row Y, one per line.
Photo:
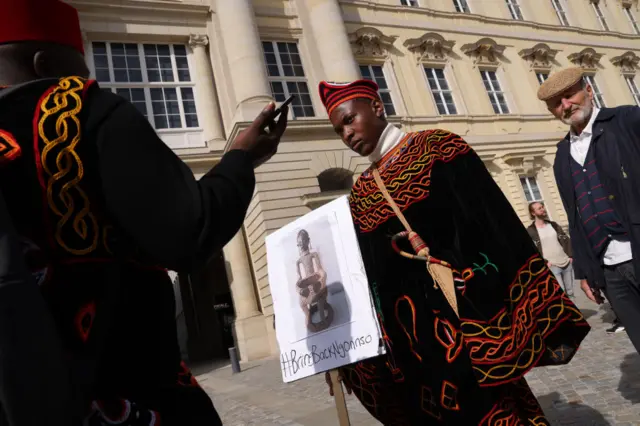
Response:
column 240, row 277
column 332, row 41
column 250, row 327
column 246, row 60
column 206, row 96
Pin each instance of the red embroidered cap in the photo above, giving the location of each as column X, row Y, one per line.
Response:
column 40, row 20
column 333, row 94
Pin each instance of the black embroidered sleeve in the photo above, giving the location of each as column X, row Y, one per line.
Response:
column 177, row 220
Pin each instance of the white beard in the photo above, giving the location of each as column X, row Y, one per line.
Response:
column 580, row 116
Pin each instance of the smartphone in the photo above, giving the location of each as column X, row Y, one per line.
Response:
column 278, row 110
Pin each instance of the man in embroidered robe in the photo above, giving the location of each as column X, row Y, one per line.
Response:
column 513, row 316
column 596, row 168
column 103, row 206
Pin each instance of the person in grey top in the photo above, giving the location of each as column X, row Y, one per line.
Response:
column 553, row 244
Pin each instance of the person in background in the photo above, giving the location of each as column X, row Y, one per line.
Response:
column 553, row 244
column 596, row 169
column 455, row 355
column 103, row 207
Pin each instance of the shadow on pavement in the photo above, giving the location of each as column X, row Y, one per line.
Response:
column 207, row 366
column 607, row 316
column 559, row 411
column 629, row 386
column 588, row 313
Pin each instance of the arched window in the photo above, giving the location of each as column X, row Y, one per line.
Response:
column 336, row 179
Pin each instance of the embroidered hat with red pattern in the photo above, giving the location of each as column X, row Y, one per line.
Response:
column 40, row 20
column 334, row 94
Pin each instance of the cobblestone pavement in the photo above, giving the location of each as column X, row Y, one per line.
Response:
column 601, row 386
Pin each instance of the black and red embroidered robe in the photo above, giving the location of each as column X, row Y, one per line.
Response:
column 91, row 187
column 513, row 315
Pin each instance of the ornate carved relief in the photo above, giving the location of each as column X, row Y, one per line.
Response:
column 587, row 58
column 484, row 51
column 525, row 163
column 627, row 62
column 196, row 40
column 431, row 47
column 540, row 56
column 371, row 42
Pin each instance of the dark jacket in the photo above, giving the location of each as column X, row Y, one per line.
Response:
column 616, row 140
column 33, row 371
column 563, row 238
column 103, row 206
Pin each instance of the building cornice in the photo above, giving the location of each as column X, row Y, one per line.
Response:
column 144, row 11
column 315, row 200
column 279, row 33
column 321, row 129
column 204, row 161
column 499, row 27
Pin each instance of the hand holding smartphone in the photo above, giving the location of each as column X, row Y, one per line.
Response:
column 262, row 137
column 286, row 103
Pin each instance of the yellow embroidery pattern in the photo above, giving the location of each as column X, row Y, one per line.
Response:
column 59, row 130
column 510, row 343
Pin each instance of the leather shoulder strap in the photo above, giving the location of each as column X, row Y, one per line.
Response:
column 442, row 275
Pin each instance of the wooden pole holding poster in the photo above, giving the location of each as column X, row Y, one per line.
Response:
column 338, row 396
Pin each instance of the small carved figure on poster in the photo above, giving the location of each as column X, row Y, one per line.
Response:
column 312, row 285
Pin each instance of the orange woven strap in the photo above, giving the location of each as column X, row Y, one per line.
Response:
column 439, row 270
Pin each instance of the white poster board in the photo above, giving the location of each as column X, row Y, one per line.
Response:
column 348, row 331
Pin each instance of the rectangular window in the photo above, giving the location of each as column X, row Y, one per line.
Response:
column 375, row 73
column 632, row 20
column 530, row 188
column 560, row 12
column 598, row 99
column 155, row 78
column 461, row 6
column 514, row 9
column 496, row 95
column 440, row 91
column 633, row 87
column 542, row 77
column 595, row 4
column 286, row 76
column 413, row 3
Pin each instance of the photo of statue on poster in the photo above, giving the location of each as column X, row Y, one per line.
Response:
column 323, row 307
column 319, row 301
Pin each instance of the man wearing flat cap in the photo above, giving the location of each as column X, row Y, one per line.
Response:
column 466, row 304
column 597, row 172
column 103, row 208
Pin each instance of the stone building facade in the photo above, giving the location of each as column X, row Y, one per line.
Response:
column 200, row 70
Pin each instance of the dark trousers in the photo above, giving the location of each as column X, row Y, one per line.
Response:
column 623, row 291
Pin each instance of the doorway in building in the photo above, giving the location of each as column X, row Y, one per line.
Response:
column 208, row 312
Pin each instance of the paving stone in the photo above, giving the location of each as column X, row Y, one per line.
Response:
column 600, row 387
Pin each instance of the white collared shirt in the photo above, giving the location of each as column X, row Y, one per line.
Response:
column 390, row 138
column 580, row 143
column 617, row 251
